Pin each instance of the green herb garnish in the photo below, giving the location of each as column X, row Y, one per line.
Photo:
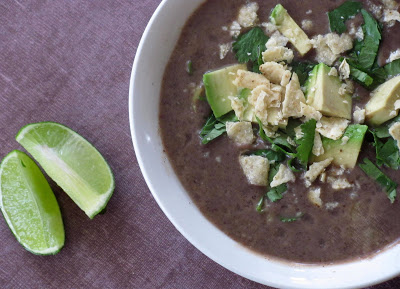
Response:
column 302, row 69
column 280, row 143
column 189, row 67
column 260, row 204
column 276, row 193
column 393, row 68
column 382, row 131
column 256, row 64
column 271, row 155
column 273, row 194
column 306, row 143
column 387, row 153
column 363, row 66
column 359, row 75
column 372, row 38
column 290, row 220
column 250, row 45
column 384, row 181
column 338, row 17
column 215, row 127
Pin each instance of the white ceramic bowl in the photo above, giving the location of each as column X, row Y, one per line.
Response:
column 152, row 55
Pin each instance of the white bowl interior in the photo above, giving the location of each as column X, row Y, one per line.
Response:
column 153, row 53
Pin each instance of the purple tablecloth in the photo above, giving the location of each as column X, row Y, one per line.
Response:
column 70, row 62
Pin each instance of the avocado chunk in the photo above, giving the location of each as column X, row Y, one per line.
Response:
column 345, row 150
column 289, row 28
column 381, row 106
column 323, row 93
column 219, row 86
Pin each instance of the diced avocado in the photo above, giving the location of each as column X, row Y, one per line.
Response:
column 380, row 107
column 323, row 93
column 289, row 28
column 219, row 86
column 345, row 150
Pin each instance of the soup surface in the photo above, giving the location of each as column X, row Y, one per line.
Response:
column 352, row 222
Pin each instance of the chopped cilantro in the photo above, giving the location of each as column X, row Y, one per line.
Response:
column 338, row 17
column 250, row 45
column 363, row 66
column 393, row 68
column 382, row 131
column 372, row 38
column 379, row 75
column 276, row 193
column 302, row 69
column 271, row 155
column 273, row 194
column 256, row 64
column 290, row 220
column 230, row 116
column 360, row 76
column 292, row 124
column 215, row 127
column 260, row 204
column 278, row 144
column 306, row 143
column 189, row 67
column 387, row 153
column 384, row 181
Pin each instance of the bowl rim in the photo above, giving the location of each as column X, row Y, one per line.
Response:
column 139, row 155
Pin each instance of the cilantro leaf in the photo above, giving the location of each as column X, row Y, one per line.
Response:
column 306, row 143
column 372, row 38
column 189, row 67
column 393, row 68
column 384, row 181
column 271, row 155
column 360, row 76
column 363, row 65
column 379, row 74
column 230, row 116
column 250, row 45
column 389, row 153
column 260, row 204
column 338, row 17
column 215, row 127
column 382, row 131
column 292, row 124
column 278, row 143
column 386, row 153
column 302, row 69
column 256, row 64
column 275, row 193
column 290, row 220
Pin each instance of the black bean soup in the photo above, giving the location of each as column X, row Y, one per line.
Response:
column 362, row 220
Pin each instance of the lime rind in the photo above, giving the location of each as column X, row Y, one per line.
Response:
column 51, row 229
column 72, row 162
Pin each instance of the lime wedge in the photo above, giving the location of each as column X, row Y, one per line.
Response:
column 72, row 162
column 29, row 206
